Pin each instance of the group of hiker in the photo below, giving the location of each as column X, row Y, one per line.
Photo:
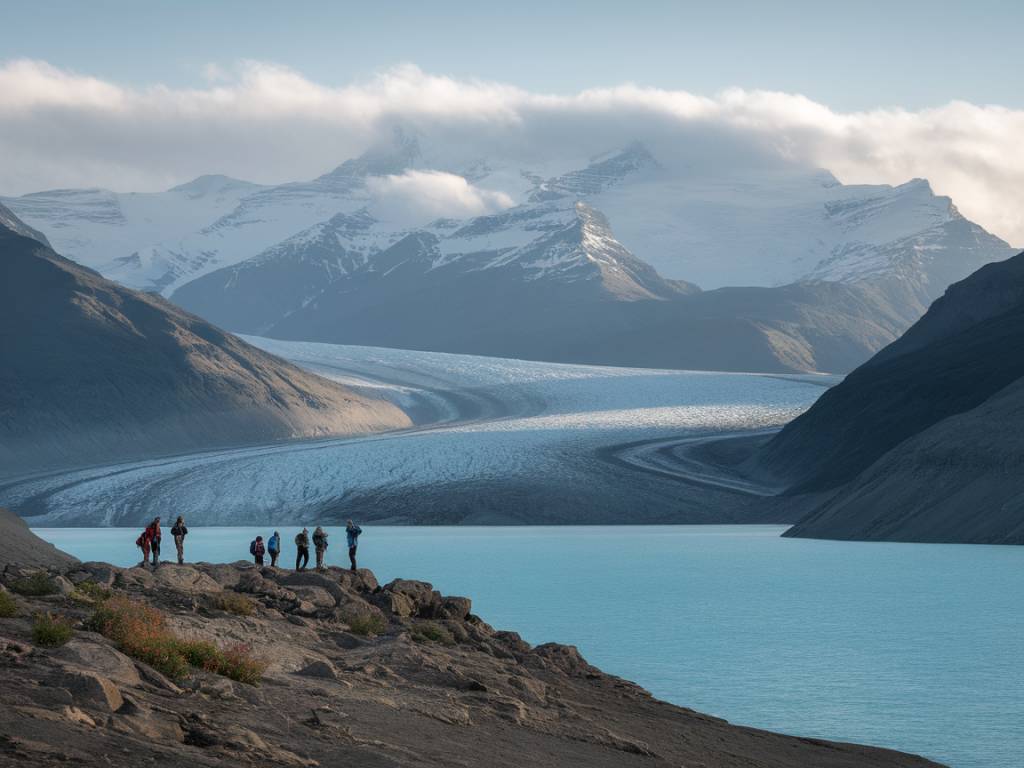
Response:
column 149, row 543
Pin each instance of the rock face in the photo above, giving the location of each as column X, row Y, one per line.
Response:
column 429, row 684
column 923, row 442
column 19, row 546
column 93, row 371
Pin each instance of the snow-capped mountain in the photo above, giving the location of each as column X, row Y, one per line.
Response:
column 284, row 259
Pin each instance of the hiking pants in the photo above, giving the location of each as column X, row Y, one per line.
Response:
column 179, row 544
column 258, row 559
column 155, row 548
column 302, row 558
column 273, row 559
column 352, row 557
column 320, row 557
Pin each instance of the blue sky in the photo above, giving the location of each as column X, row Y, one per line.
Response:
column 849, row 56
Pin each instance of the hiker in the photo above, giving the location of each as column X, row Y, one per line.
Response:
column 179, row 532
column 352, row 531
column 320, row 543
column 302, row 550
column 154, row 540
column 274, row 548
column 257, row 550
column 143, row 543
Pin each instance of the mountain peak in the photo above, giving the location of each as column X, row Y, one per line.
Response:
column 389, row 157
column 210, row 184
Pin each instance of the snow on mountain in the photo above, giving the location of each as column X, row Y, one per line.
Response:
column 114, row 233
column 757, row 226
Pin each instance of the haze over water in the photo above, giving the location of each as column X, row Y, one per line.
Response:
column 911, row 646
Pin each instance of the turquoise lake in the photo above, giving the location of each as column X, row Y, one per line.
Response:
column 917, row 647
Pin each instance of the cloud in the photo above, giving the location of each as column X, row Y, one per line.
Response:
column 415, row 196
column 269, row 123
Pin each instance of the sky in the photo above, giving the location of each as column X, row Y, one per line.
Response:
column 140, row 96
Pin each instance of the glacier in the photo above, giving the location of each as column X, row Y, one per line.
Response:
column 496, row 441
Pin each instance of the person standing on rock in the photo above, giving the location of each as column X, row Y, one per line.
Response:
column 154, row 540
column 143, row 543
column 179, row 532
column 302, row 550
column 352, row 531
column 320, row 544
column 257, row 550
column 274, row 548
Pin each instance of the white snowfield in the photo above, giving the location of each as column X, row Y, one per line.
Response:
column 714, row 227
column 495, row 423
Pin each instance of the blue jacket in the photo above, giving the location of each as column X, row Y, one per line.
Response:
column 274, row 545
column 353, row 535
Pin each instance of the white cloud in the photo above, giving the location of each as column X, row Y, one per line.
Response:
column 417, row 196
column 269, row 123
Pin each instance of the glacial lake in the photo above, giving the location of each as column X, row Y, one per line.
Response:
column 917, row 647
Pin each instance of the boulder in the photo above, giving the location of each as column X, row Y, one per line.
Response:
column 225, row 575
column 318, row 596
column 456, row 608
column 100, row 658
column 320, row 580
column 138, row 576
column 425, row 599
column 186, row 579
column 395, row 603
column 91, row 690
column 100, row 573
column 320, row 668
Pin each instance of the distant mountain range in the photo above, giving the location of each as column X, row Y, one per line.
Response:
column 598, row 264
column 92, row 371
column 925, row 442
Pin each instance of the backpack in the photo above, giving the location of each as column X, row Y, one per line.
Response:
column 141, row 541
column 274, row 544
column 252, row 547
column 301, row 541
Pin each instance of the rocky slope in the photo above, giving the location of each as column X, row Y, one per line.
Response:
column 93, row 371
column 19, row 545
column 922, row 443
column 355, row 674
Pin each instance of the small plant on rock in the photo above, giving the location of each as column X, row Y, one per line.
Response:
column 51, row 631
column 238, row 663
column 90, row 593
column 431, row 632
column 8, row 608
column 365, row 623
column 36, row 585
column 141, row 631
column 232, row 602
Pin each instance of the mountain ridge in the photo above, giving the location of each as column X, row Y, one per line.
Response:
column 93, row 369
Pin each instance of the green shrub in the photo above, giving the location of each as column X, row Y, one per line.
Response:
column 232, row 602
column 141, row 631
column 238, row 663
column 365, row 623
column 8, row 608
column 90, row 593
column 36, row 585
column 51, row 631
column 429, row 631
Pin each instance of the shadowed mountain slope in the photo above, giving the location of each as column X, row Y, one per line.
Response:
column 94, row 371
column 924, row 441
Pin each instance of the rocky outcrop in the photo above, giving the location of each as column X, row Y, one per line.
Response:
column 421, row 682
